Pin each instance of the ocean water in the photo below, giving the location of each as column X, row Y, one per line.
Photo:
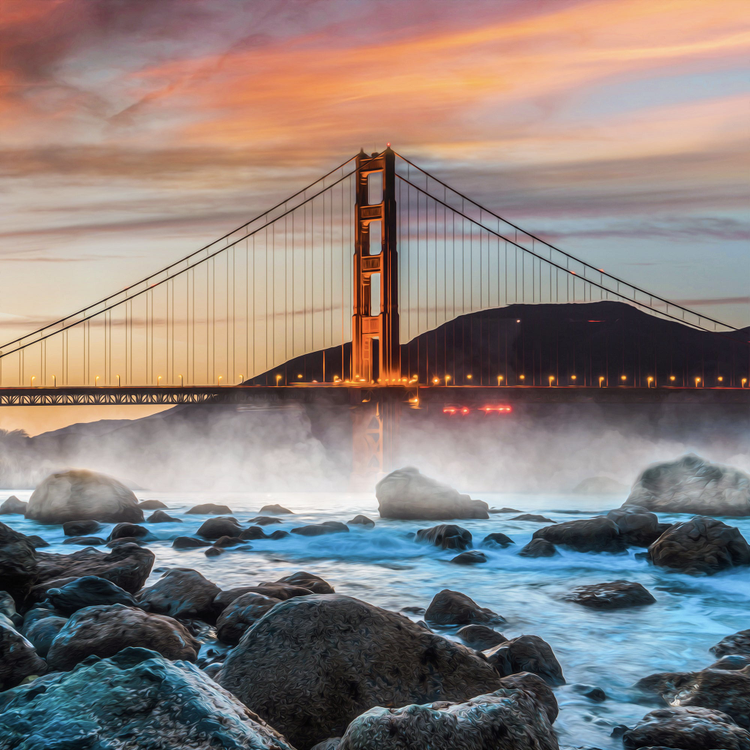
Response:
column 387, row 567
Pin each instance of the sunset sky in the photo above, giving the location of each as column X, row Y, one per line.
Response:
column 133, row 131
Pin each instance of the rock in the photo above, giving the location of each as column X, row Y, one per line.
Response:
column 160, row 516
column 84, row 527
column 13, row 506
column 182, row 593
column 214, row 551
column 313, row 664
column 614, row 595
column 688, row 728
column 497, row 540
column 124, row 540
column 537, row 687
column 538, row 548
column 40, row 627
column 700, row 545
column 254, row 532
column 86, row 592
column 131, row 701
column 18, row 563
column 129, row 531
column 533, row 517
column 470, row 558
column 308, row 581
column 104, row 630
column 218, row 527
column 243, row 612
column 282, row 591
column 692, row 485
column 503, row 510
column 210, row 509
column 527, row 653
column 8, row 608
column 85, row 541
column 406, row 494
column 592, row 692
column 318, row 529
column 738, row 643
column 731, row 661
column 480, row 637
column 37, row 542
column 478, row 724
column 445, row 536
column 18, row 659
column 598, row 534
column 599, row 486
column 638, row 526
column 189, row 542
column 452, row 609
column 264, row 520
column 230, row 541
column 152, row 505
column 275, row 510
column 361, row 521
column 78, row 495
column 278, row 534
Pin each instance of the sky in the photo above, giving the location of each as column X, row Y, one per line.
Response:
column 134, row 131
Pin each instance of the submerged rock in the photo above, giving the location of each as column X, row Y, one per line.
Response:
column 122, row 702
column 538, row 548
column 446, row 536
column 160, row 516
column 408, row 495
column 86, row 592
column 214, row 551
column 527, row 653
column 264, row 520
column 497, row 540
column 738, row 643
column 13, row 506
column 472, row 557
column 313, row 664
column 18, row 659
column 319, row 529
column 452, row 609
column 182, row 593
column 598, row 534
column 614, row 595
column 275, row 510
column 480, row 637
column 189, row 542
column 79, row 495
column 18, row 563
column 84, row 527
column 240, row 614
column 361, row 521
column 152, row 505
column 533, row 517
column 253, row 532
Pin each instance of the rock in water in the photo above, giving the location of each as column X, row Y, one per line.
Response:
column 214, row 528
column 243, row 612
column 472, row 557
column 18, row 659
column 106, row 629
column 614, row 595
column 446, row 536
column 13, row 506
column 408, row 495
column 736, row 644
column 81, row 527
column 80, row 495
column 638, row 526
column 700, row 545
column 308, row 581
column 160, row 516
column 598, row 534
column 692, row 485
column 86, row 592
column 527, row 653
column 452, row 608
column 480, row 637
column 361, row 521
column 313, row 664
column 126, row 701
column 275, row 510
column 152, row 505
column 320, row 529
column 538, row 548
column 182, row 593
column 18, row 563
column 210, row 509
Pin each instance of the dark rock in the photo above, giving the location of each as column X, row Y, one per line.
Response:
column 243, row 612
column 700, row 545
column 614, row 595
column 308, row 581
column 470, row 558
column 85, row 541
column 692, row 485
column 214, row 551
column 503, row 510
column 533, row 517
column 160, row 516
column 254, row 532
column 18, row 659
column 732, row 661
column 264, row 520
column 8, row 608
column 37, row 542
column 497, row 540
column 78, row 495
column 281, row 591
column 129, row 531
column 535, row 685
column 737, row 643
column 189, row 542
column 124, row 540
column 638, row 526
column 361, row 521
column 598, row 534
column 209, row 509
column 453, row 609
column 445, row 536
column 313, row 664
column 229, row 541
column 18, row 563
column 318, row 529
column 13, row 506
column 687, row 728
column 480, row 637
column 592, row 692
column 278, row 534
column 218, row 527
column 527, row 653
column 86, row 592
column 538, row 548
column 40, row 627
column 275, row 510
column 182, row 593
column 131, row 701
column 152, row 505
column 406, row 494
column 84, row 527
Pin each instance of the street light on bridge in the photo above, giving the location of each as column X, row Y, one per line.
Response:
column 278, row 378
column 500, row 379
column 697, row 381
column 118, row 380
column 54, row 381
column 435, row 381
column 649, row 380
column 96, row 381
column 447, row 378
column 158, row 381
column 551, row 380
column 31, row 382
column 744, row 380
column 601, row 380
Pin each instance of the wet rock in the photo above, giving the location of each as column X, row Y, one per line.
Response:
column 538, row 548
column 688, row 728
column 737, row 643
column 189, row 542
column 85, row 527
column 700, row 545
column 692, row 485
column 18, row 563
column 40, row 627
column 78, row 495
column 18, row 659
column 37, row 542
column 243, row 612
column 264, row 520
column 477, row 724
column 470, row 558
column 85, row 541
column 533, row 517
column 218, row 527
column 361, row 521
column 230, row 541
column 152, row 505
column 214, row 551
column 275, row 510
column 278, row 534
column 130, row 699
column 598, row 534
column 732, row 661
column 527, row 653
column 599, row 486
column 254, row 532
column 497, row 540
column 182, row 593
column 13, row 506
column 503, row 510
column 638, row 526
column 86, row 592
column 480, row 637
column 537, row 687
column 160, row 516
column 445, row 536
column 332, row 743
column 310, row 581
column 210, row 509
column 318, row 529
column 614, row 595
column 124, row 540
column 8, row 608
column 283, row 667
column 408, row 495
column 282, row 591
column 452, row 609
column 129, row 531
column 592, row 692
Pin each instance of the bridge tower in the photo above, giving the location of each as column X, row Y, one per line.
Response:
column 375, row 328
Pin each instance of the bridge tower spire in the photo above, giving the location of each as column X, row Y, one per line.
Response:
column 375, row 327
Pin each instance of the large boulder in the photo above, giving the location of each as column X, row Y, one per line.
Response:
column 105, row 629
column 638, row 526
column 13, row 506
column 538, row 548
column 215, row 528
column 454, row 609
column 446, row 536
column 78, row 495
column 41, row 626
column 598, row 534
column 86, row 592
column 701, row 545
column 182, row 593
column 131, row 701
column 613, row 595
column 692, row 485
column 18, row 563
column 313, row 664
column 83, row 527
column 18, row 659
column 408, row 495
column 243, row 612
column 527, row 653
